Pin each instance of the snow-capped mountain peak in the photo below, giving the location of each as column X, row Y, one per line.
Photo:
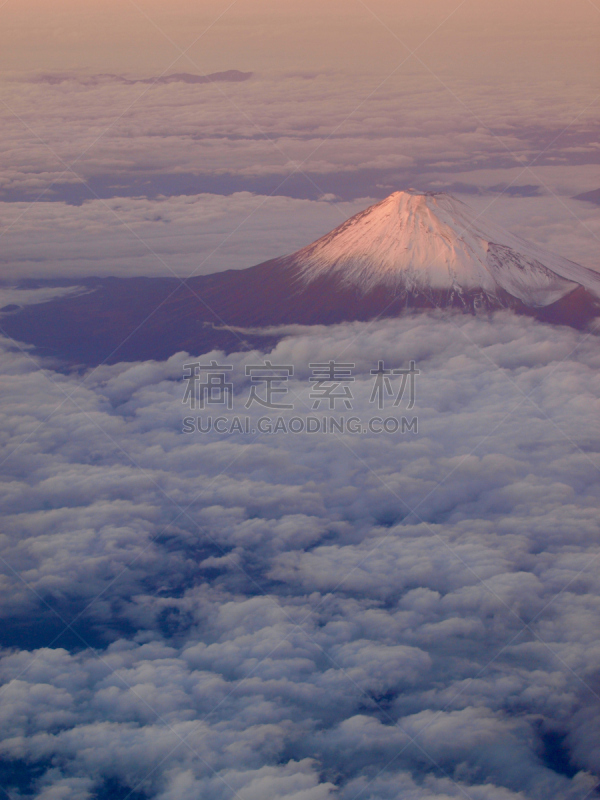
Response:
column 431, row 241
column 411, row 252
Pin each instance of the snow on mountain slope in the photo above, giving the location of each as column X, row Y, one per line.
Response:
column 432, row 241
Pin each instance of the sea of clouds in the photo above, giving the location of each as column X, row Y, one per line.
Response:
column 304, row 617
column 184, row 179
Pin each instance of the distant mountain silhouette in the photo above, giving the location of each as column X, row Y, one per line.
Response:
column 231, row 75
column 589, row 197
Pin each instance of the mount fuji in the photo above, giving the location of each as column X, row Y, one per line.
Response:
column 413, row 250
column 423, row 244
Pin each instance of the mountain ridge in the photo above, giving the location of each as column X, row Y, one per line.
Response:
column 335, row 279
column 416, row 240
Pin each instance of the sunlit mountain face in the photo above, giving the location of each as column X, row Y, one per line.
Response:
column 411, row 251
column 418, row 242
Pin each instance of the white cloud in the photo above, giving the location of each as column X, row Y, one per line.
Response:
column 180, row 236
column 336, row 122
column 269, row 617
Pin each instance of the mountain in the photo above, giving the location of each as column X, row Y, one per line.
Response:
column 230, row 75
column 414, row 243
column 589, row 197
column 410, row 251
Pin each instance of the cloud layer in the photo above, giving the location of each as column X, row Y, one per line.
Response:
column 307, row 617
column 168, row 236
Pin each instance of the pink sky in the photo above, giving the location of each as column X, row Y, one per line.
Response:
column 493, row 38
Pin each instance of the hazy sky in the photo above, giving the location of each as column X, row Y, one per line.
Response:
column 499, row 37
